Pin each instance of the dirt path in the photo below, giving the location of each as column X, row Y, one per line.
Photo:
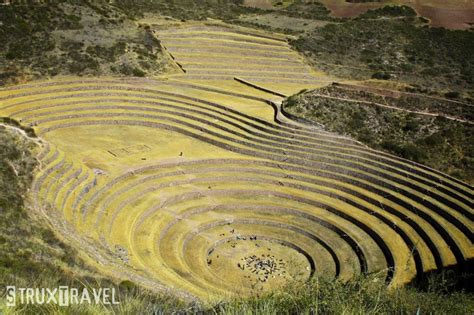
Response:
column 394, row 107
column 388, row 92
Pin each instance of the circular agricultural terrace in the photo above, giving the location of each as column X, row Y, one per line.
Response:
column 193, row 184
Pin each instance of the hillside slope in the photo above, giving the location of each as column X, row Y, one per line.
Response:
column 434, row 132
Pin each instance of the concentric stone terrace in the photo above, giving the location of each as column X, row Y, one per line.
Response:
column 206, row 191
column 218, row 52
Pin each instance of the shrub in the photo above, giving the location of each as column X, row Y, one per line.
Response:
column 137, row 72
column 452, row 94
column 381, row 76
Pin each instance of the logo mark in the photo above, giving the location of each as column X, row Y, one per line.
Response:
column 11, row 296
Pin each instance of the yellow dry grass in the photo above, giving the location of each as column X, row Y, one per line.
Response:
column 192, row 183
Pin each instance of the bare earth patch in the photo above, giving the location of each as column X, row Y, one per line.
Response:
column 450, row 14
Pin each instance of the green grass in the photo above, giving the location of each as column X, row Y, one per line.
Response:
column 365, row 295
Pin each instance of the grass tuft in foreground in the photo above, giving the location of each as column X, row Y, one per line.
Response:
column 364, row 295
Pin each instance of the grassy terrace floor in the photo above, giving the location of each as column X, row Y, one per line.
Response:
column 192, row 182
column 218, row 52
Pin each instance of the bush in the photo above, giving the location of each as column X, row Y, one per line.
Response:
column 452, row 94
column 137, row 72
column 388, row 11
column 381, row 76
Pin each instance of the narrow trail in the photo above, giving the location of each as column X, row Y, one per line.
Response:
column 393, row 107
column 371, row 88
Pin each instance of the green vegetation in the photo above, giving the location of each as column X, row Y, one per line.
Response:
column 33, row 256
column 80, row 39
column 10, row 121
column 365, row 295
column 308, row 10
column 16, row 171
column 94, row 38
column 91, row 38
column 293, row 18
column 392, row 43
column 185, row 9
column 389, row 43
column 438, row 142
